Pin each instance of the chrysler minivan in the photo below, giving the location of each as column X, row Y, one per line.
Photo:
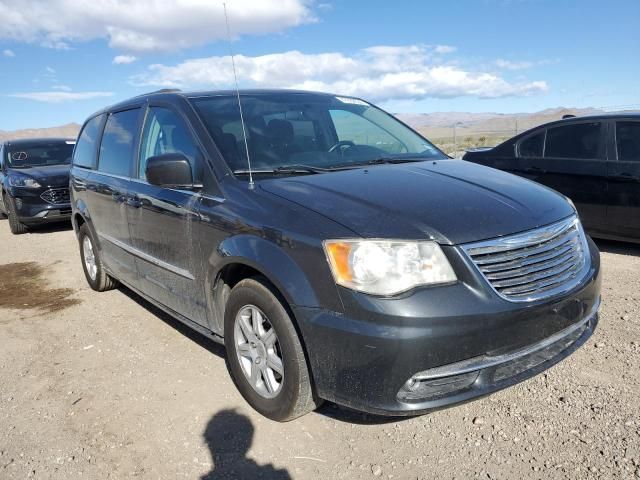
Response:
column 335, row 252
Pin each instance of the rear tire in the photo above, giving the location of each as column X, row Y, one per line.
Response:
column 281, row 389
column 15, row 226
column 97, row 277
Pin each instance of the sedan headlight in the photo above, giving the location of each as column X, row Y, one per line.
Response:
column 23, row 181
column 387, row 267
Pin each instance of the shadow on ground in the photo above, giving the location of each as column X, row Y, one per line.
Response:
column 619, row 248
column 50, row 228
column 191, row 334
column 229, row 436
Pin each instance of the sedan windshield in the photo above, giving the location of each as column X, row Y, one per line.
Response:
column 297, row 133
column 40, row 154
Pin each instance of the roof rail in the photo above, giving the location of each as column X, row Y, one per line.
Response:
column 568, row 115
column 162, row 90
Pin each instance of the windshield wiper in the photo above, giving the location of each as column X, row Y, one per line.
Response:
column 285, row 169
column 378, row 161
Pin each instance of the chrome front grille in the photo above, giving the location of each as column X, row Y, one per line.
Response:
column 535, row 264
column 56, row 196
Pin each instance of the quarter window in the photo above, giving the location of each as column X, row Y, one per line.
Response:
column 85, row 153
column 532, row 146
column 118, row 143
column 165, row 132
column 628, row 141
column 579, row 141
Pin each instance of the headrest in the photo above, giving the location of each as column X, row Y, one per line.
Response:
column 281, row 131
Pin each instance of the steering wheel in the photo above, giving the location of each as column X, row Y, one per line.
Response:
column 340, row 144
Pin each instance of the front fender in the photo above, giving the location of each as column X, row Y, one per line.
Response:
column 270, row 260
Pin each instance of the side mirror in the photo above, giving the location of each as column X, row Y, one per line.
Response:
column 170, row 170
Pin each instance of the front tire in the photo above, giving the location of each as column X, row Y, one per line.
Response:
column 264, row 354
column 16, row 227
column 94, row 271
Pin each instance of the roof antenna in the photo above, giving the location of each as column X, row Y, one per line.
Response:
column 235, row 77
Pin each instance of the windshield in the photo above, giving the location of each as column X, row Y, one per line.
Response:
column 40, row 154
column 310, row 130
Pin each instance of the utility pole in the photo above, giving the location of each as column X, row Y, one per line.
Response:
column 455, row 140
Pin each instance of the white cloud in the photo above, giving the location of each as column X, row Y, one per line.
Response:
column 377, row 73
column 60, row 96
column 513, row 65
column 145, row 25
column 124, row 59
column 444, row 49
column 63, row 88
column 8, row 53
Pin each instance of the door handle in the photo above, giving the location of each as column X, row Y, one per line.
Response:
column 118, row 197
column 535, row 170
column 134, row 202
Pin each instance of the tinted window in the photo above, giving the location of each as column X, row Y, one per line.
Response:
column 532, row 146
column 580, row 140
column 165, row 132
column 85, row 152
column 118, row 142
column 628, row 141
column 27, row 155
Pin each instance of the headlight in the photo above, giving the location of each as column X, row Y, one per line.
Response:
column 23, row 181
column 387, row 267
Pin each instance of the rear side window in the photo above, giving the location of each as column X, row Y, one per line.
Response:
column 580, row 141
column 628, row 141
column 532, row 146
column 85, row 152
column 118, row 143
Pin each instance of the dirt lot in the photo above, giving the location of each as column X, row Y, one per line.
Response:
column 104, row 386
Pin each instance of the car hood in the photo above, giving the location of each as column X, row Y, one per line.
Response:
column 449, row 201
column 48, row 176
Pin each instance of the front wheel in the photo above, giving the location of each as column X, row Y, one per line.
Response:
column 16, row 227
column 264, row 354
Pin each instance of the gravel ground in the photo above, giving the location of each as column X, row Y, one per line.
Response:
column 105, row 386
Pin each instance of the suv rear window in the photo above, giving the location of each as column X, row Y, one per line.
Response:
column 580, row 141
column 85, row 152
column 118, row 143
column 628, row 141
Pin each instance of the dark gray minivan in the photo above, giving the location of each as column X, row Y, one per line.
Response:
column 335, row 252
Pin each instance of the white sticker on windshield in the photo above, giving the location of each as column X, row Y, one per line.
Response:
column 70, row 142
column 352, row 101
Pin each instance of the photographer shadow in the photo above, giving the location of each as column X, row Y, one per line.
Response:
column 229, row 436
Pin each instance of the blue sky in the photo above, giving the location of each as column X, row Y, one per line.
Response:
column 60, row 60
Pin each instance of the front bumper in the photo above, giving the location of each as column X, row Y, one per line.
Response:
column 457, row 343
column 32, row 209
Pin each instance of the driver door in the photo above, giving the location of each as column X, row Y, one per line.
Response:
column 162, row 220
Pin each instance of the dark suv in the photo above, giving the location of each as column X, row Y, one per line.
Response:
column 594, row 160
column 34, row 176
column 352, row 261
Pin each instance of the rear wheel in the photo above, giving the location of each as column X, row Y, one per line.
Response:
column 16, row 227
column 94, row 271
column 264, row 354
